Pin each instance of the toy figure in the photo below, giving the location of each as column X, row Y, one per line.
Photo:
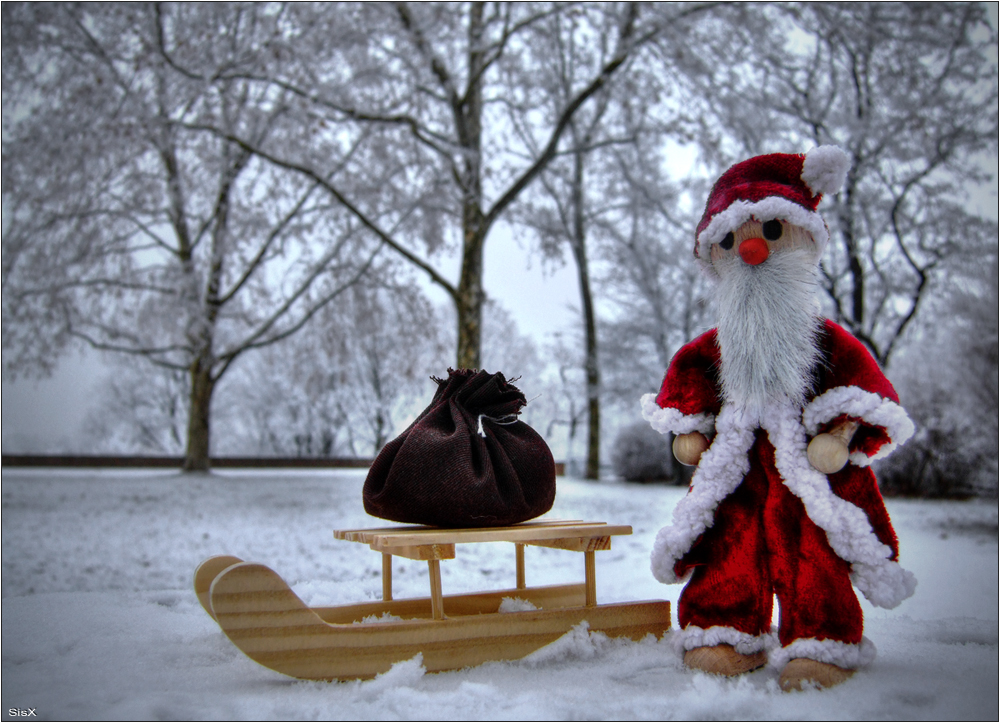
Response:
column 783, row 412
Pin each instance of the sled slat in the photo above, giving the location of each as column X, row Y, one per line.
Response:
column 363, row 534
column 547, row 597
column 386, row 539
column 577, row 544
column 435, row 551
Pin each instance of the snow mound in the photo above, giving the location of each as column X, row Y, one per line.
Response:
column 578, row 644
column 404, row 674
column 100, row 621
column 383, row 618
column 516, row 605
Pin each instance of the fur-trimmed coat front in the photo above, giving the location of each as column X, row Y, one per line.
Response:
column 847, row 505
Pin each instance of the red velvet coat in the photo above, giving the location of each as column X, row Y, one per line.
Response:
column 847, row 506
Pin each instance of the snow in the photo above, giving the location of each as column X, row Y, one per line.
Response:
column 100, row 621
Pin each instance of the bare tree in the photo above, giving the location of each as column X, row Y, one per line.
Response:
column 344, row 388
column 134, row 234
column 589, row 183
column 424, row 84
column 909, row 91
column 560, row 216
column 139, row 412
column 953, row 399
column 654, row 294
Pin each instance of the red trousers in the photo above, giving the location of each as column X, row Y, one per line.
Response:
column 763, row 544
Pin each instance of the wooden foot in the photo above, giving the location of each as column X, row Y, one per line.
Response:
column 723, row 660
column 802, row 670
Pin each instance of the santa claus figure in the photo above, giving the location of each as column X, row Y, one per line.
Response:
column 783, row 412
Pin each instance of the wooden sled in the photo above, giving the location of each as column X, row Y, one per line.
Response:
column 266, row 620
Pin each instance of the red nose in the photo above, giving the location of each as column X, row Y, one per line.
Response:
column 754, row 251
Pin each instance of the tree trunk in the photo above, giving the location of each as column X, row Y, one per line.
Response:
column 858, row 312
column 469, row 304
column 591, row 364
column 196, row 458
column 470, row 296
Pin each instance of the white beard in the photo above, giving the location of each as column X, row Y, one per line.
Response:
column 767, row 331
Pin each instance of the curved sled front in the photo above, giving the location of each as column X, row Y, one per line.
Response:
column 267, row 621
column 206, row 574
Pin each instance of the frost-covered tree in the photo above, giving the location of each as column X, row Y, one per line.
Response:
column 559, row 217
column 947, row 376
column 426, row 88
column 138, row 410
column 591, row 182
column 344, row 388
column 909, row 91
column 128, row 230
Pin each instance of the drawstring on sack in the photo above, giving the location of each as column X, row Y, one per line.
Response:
column 509, row 419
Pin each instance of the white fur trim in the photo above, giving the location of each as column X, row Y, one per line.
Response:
column 835, row 652
column 866, row 406
column 666, row 420
column 693, row 637
column 739, row 212
column 720, row 471
column 825, row 169
column 885, row 584
column 847, row 528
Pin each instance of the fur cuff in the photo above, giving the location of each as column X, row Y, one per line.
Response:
column 885, row 584
column 669, row 420
column 835, row 652
column 670, row 545
column 870, row 408
column 693, row 637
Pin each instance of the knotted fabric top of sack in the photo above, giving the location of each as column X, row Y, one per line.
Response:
column 466, row 461
column 484, row 395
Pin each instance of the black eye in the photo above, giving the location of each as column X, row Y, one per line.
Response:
column 728, row 241
column 772, row 230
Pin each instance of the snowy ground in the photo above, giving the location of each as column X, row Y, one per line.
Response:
column 100, row 622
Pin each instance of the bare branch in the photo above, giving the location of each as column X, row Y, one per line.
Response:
column 371, row 225
column 626, row 45
column 257, row 340
column 435, row 63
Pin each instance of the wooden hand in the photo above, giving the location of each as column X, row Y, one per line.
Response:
column 689, row 447
column 828, row 452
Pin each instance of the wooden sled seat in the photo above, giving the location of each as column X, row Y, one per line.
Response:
column 434, row 544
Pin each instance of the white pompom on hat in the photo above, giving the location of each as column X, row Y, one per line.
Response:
column 783, row 186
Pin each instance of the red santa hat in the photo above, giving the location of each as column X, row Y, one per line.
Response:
column 781, row 186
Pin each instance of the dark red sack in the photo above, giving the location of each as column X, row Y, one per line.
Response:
column 467, row 461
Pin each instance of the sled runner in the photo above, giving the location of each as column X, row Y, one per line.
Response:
column 266, row 620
